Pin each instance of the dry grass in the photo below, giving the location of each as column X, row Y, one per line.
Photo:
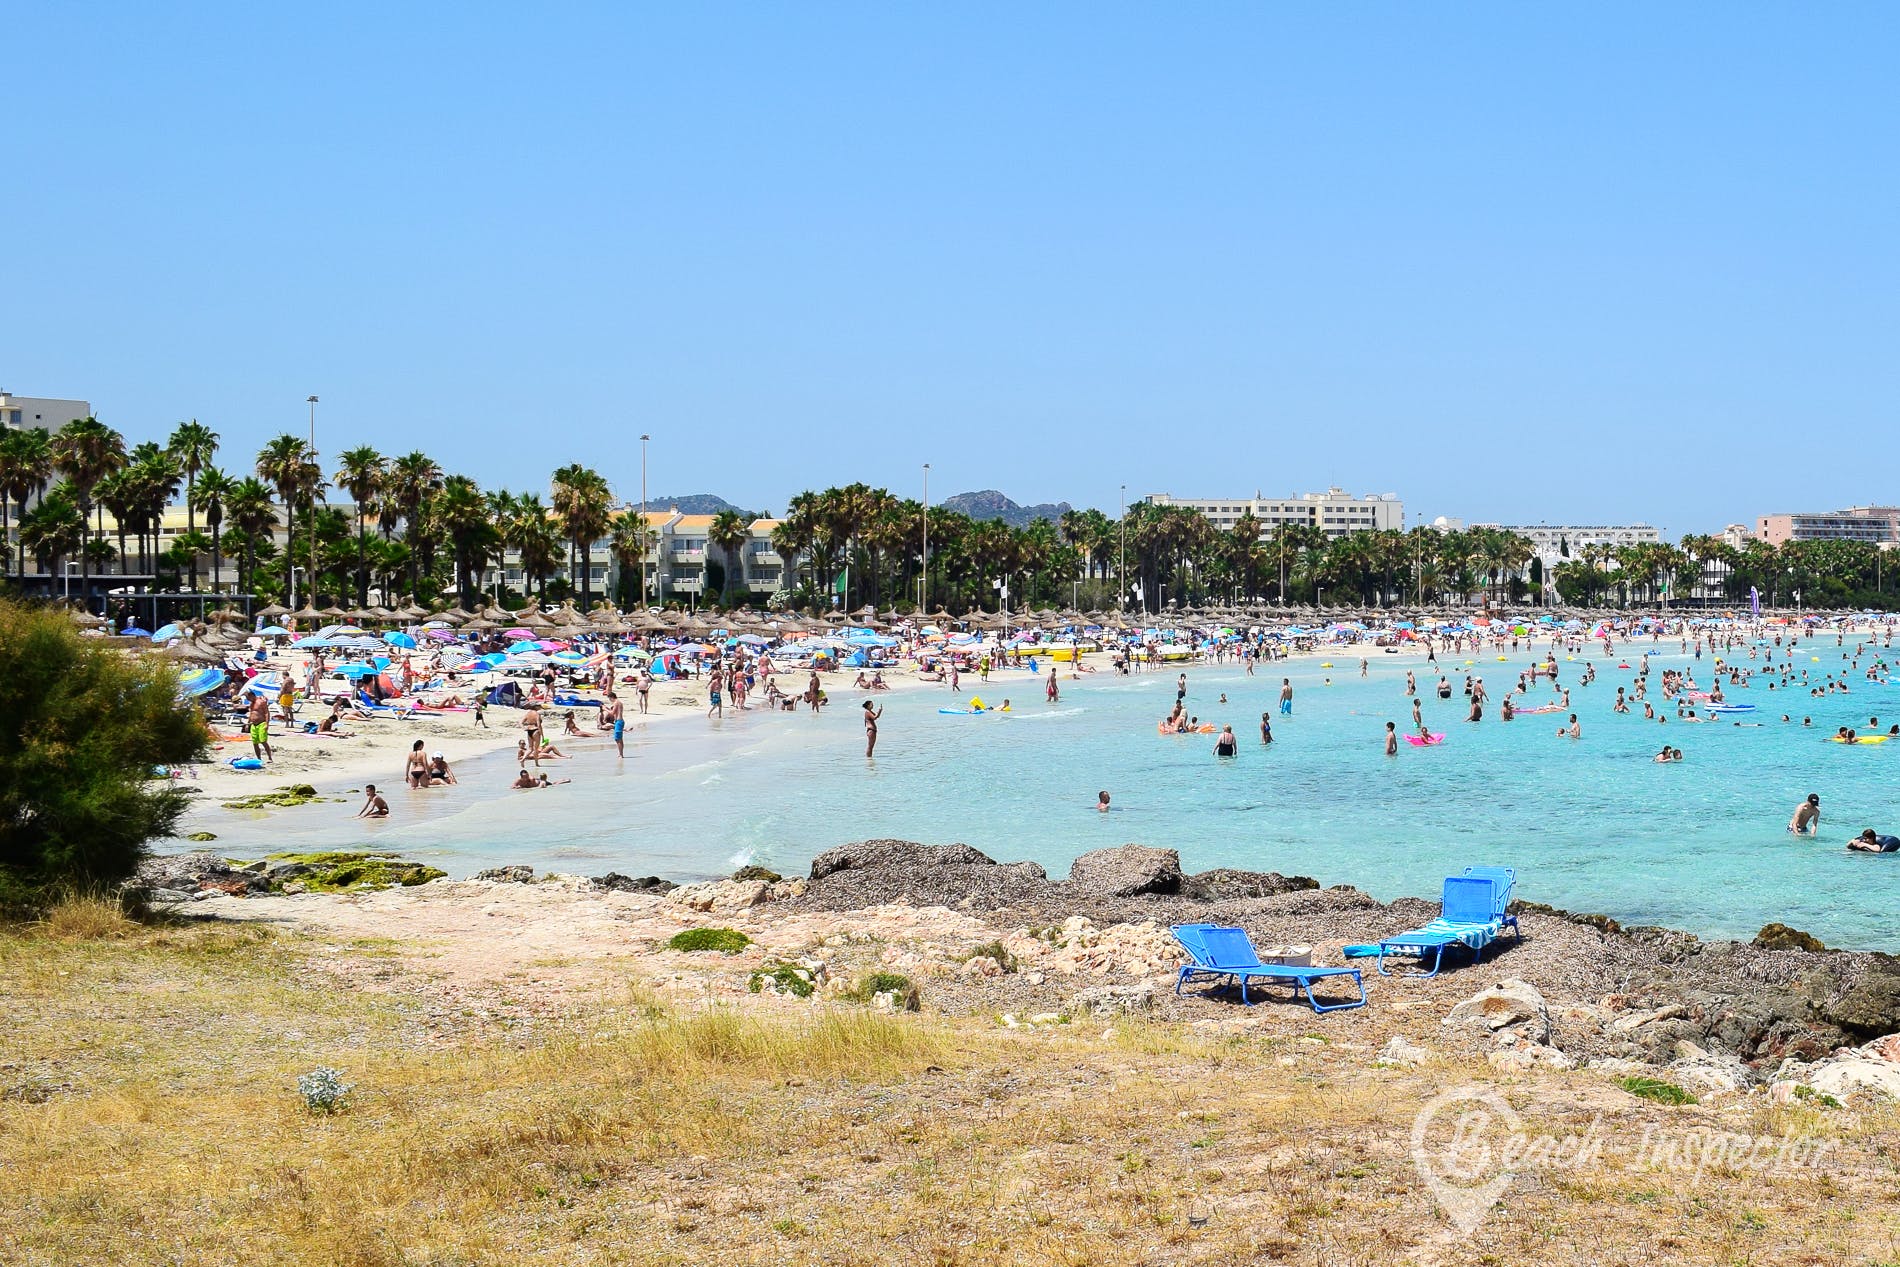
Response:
column 163, row 1127
column 85, row 917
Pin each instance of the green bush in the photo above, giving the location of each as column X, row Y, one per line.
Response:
column 728, row 941
column 788, row 977
column 82, row 726
column 872, row 984
column 1656, row 1089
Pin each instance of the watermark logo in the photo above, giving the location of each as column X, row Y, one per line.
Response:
column 1470, row 1146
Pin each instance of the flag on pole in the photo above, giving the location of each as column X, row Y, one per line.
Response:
column 1754, row 602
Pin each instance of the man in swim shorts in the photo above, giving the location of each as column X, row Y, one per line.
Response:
column 1807, row 816
column 1391, row 739
column 1286, row 696
column 258, row 716
column 615, row 715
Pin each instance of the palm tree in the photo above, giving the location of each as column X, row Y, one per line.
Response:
column 729, row 531
column 290, row 467
column 413, row 479
column 584, row 505
column 463, row 513
column 194, row 445
column 155, row 473
column 628, row 539
column 85, row 451
column 254, row 518
column 26, row 464
column 53, row 529
column 211, row 493
column 360, row 473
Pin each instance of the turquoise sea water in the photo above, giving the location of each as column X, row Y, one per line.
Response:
column 1592, row 825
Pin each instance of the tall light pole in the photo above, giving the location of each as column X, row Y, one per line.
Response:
column 643, row 521
column 1121, row 568
column 313, row 506
column 923, row 589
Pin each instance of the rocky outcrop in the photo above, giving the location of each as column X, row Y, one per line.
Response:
column 1509, row 1005
column 1126, row 871
column 1224, row 884
column 1781, row 937
column 506, row 875
column 868, row 854
column 200, row 870
column 1870, row 1069
column 727, row 896
column 614, row 882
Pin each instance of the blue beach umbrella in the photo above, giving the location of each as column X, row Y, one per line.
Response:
column 133, row 631
column 273, row 631
column 169, row 631
column 358, row 669
column 193, row 682
column 400, row 640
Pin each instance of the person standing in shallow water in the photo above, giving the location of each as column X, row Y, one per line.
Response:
column 871, row 714
column 1391, row 739
column 1286, row 696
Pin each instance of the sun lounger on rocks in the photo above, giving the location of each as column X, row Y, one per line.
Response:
column 1227, row 954
column 1472, row 917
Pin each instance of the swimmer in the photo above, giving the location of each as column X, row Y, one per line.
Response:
column 1266, row 729
column 1391, row 739
column 1227, row 745
column 1807, row 816
column 1101, row 802
column 1871, row 842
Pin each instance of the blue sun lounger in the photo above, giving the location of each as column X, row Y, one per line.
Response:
column 1472, row 916
column 1227, row 954
column 1503, row 879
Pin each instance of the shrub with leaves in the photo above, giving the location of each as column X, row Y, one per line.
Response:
column 1656, row 1089
column 994, row 950
column 323, row 1089
column 82, row 725
column 785, row 978
column 871, row 984
column 729, row 941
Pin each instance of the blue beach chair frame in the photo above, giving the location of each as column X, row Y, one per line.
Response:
column 1227, row 954
column 1471, row 916
column 1504, row 880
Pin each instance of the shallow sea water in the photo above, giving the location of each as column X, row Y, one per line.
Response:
column 1592, row 825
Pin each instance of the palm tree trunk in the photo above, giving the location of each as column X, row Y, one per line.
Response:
column 191, row 524
column 362, row 561
column 216, row 538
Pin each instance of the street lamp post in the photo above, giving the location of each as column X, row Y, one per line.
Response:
column 1121, row 565
column 923, row 588
column 643, row 521
column 313, row 505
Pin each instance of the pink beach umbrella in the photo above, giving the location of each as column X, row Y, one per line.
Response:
column 517, row 633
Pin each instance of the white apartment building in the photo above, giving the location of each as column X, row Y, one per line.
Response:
column 1554, row 543
column 44, row 412
column 1334, row 512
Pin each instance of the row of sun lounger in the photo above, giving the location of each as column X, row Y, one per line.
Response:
column 1473, row 916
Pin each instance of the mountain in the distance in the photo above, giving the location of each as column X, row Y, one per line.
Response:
column 698, row 504
column 990, row 504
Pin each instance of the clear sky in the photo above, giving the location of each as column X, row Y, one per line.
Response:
column 1512, row 262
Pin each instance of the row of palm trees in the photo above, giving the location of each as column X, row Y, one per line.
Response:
column 414, row 528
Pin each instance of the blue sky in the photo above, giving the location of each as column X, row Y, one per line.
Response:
column 1511, row 262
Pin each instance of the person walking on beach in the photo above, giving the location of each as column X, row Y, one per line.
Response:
column 1286, row 696
column 481, row 709
column 715, row 703
column 258, row 715
column 871, row 714
column 615, row 715
column 642, row 686
column 531, row 723
column 1051, row 690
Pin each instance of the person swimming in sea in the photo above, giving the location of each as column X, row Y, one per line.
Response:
column 1870, row 841
column 1227, row 745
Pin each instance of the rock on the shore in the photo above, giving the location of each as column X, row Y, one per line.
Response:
column 1872, row 1007
column 1400, row 1051
column 614, row 882
column 199, row 869
column 1126, row 871
column 1510, row 1004
column 506, row 875
column 1705, row 1072
column 865, row 854
column 726, row 896
column 1871, row 1068
column 1111, row 1000
column 1781, row 937
column 1223, row 884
